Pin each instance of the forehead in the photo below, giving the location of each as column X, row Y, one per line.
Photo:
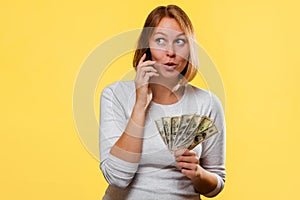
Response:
column 169, row 26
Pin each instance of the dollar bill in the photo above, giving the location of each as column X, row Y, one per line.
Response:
column 204, row 123
column 175, row 123
column 167, row 128
column 160, row 127
column 184, row 124
column 189, row 134
column 194, row 124
column 203, row 135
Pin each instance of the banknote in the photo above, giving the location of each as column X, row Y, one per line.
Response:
column 167, row 128
column 184, row 123
column 204, row 123
column 160, row 127
column 175, row 123
column 193, row 125
column 188, row 136
column 203, row 135
column 185, row 131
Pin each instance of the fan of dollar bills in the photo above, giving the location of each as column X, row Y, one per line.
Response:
column 186, row 131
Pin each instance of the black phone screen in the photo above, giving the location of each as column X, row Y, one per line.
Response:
column 148, row 55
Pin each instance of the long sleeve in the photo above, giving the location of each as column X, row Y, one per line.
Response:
column 214, row 149
column 113, row 122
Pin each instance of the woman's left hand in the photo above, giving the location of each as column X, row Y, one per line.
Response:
column 188, row 162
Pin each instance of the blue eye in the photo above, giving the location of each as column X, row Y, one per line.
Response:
column 180, row 41
column 159, row 40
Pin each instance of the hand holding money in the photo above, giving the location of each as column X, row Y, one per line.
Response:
column 188, row 162
column 186, row 131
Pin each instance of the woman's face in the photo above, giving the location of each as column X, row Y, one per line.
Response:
column 169, row 48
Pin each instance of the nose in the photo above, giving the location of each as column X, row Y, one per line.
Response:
column 170, row 51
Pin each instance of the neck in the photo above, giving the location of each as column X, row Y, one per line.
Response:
column 163, row 92
column 167, row 84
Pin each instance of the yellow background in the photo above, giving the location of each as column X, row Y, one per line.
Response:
column 254, row 44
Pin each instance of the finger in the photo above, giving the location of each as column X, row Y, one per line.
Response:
column 148, row 68
column 184, row 152
column 142, row 59
column 147, row 63
column 189, row 159
column 144, row 76
column 179, row 152
column 143, row 70
column 189, row 153
column 185, row 165
column 148, row 75
column 190, row 173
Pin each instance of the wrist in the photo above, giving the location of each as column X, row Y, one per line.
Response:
column 135, row 126
column 140, row 106
column 199, row 173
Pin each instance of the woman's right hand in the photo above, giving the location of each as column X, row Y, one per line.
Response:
column 144, row 71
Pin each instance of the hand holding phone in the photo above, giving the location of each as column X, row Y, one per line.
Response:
column 144, row 71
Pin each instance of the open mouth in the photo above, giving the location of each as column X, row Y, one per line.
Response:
column 170, row 65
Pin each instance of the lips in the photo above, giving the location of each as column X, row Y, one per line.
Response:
column 170, row 65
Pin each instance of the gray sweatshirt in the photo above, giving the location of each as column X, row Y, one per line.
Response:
column 156, row 176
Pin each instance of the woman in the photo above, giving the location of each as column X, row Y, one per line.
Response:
column 133, row 158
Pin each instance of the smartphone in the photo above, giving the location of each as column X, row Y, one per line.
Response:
column 148, row 54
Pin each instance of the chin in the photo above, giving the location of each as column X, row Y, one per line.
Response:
column 170, row 75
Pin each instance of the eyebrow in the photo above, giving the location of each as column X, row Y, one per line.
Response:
column 166, row 34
